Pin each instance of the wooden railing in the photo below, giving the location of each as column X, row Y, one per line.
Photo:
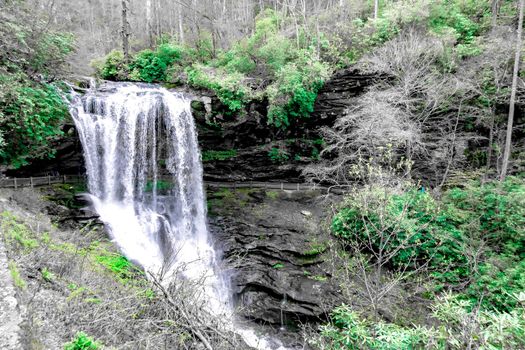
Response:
column 21, row 182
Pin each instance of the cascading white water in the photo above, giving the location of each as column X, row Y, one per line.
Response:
column 145, row 181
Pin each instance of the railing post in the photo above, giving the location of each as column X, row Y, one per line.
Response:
column 31, row 182
column 15, row 184
column 298, row 186
column 64, row 179
column 49, row 180
column 282, row 186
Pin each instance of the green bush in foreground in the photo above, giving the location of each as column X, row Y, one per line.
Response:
column 82, row 342
column 407, row 227
column 459, row 328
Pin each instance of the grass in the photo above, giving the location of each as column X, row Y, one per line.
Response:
column 278, row 266
column 208, row 156
column 319, row 278
column 15, row 275
column 315, row 249
column 18, row 233
column 118, row 265
column 272, row 194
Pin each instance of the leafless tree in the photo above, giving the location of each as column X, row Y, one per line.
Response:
column 510, row 121
column 400, row 113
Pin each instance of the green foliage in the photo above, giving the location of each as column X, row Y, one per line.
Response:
column 17, row 234
column 31, row 108
column 51, row 49
column 111, row 67
column 82, row 342
column 278, row 155
column 236, row 60
column 15, row 275
column 212, row 155
column 47, row 275
column 278, row 266
column 459, row 328
column 496, row 282
column 31, row 115
column 348, row 330
column 408, row 226
column 151, row 66
column 294, row 91
column 296, row 73
column 424, row 229
column 119, row 265
column 229, row 87
column 494, row 211
column 315, row 249
column 487, row 329
column 272, row 194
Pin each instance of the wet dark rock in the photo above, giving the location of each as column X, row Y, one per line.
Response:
column 248, row 134
column 68, row 158
column 338, row 93
column 278, row 255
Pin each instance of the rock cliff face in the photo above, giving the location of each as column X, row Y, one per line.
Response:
column 278, row 254
column 236, row 150
column 253, row 141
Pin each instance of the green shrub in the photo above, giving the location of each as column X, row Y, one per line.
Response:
column 151, row 66
column 409, row 227
column 146, row 66
column 82, row 342
column 494, row 211
column 52, row 47
column 236, row 60
column 348, row 330
column 498, row 280
column 111, row 67
column 32, row 115
column 462, row 326
column 292, row 95
column 229, row 87
column 278, row 155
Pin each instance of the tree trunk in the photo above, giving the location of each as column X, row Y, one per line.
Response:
column 149, row 30
column 376, row 9
column 510, row 121
column 125, row 30
column 495, row 11
column 489, row 148
column 181, row 24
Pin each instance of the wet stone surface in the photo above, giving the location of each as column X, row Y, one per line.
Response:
column 276, row 252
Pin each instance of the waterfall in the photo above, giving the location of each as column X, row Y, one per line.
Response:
column 145, row 182
column 145, row 179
